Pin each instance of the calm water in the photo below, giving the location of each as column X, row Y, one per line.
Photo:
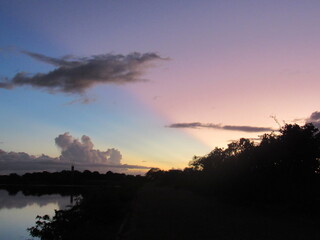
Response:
column 18, row 212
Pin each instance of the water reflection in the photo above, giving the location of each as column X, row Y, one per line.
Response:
column 18, row 212
column 20, row 200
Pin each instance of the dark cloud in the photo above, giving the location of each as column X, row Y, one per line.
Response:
column 76, row 75
column 58, row 62
column 247, row 128
column 73, row 151
column 23, row 157
column 82, row 100
column 6, row 84
column 314, row 118
column 219, row 126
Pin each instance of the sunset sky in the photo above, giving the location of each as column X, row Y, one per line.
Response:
column 150, row 83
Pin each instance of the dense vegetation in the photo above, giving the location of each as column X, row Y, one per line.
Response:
column 281, row 167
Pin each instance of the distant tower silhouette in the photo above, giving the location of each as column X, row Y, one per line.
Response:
column 72, row 168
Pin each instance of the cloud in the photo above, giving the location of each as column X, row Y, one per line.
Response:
column 74, row 150
column 219, row 126
column 82, row 100
column 58, row 62
column 315, row 116
column 314, row 119
column 257, row 139
column 298, row 120
column 80, row 153
column 77, row 74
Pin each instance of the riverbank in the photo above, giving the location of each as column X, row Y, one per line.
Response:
column 162, row 212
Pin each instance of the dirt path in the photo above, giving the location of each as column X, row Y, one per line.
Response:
column 168, row 213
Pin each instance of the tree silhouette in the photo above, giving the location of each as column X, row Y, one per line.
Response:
column 286, row 162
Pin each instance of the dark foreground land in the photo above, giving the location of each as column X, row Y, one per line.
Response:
column 126, row 208
column 162, row 212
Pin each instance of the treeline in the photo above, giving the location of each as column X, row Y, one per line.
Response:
column 65, row 178
column 65, row 182
column 283, row 167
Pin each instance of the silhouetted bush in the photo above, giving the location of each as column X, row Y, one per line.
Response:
column 98, row 215
column 282, row 167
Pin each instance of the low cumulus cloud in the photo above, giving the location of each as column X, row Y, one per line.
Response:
column 77, row 74
column 80, row 153
column 222, row 127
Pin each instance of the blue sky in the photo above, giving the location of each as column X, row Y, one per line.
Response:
column 115, row 118
column 230, row 63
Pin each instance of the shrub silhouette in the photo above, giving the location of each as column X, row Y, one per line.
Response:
column 97, row 215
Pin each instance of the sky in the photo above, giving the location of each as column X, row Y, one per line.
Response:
column 129, row 85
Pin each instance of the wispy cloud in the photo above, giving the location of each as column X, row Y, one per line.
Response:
column 223, row 127
column 83, row 100
column 77, row 74
column 257, row 139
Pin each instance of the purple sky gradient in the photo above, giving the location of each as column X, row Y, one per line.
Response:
column 233, row 63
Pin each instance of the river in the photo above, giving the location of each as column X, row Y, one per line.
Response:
column 18, row 212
